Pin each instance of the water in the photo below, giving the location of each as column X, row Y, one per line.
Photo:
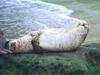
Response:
column 88, row 10
column 17, row 17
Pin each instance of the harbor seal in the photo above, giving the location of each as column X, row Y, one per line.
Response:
column 62, row 39
column 53, row 39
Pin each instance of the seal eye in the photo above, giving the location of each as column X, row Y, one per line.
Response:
column 81, row 24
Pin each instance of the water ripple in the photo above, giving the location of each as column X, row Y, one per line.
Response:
column 18, row 17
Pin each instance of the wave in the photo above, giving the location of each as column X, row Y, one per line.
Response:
column 22, row 16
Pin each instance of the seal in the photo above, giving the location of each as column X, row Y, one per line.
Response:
column 53, row 39
column 63, row 39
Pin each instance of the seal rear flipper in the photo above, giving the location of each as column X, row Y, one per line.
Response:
column 37, row 48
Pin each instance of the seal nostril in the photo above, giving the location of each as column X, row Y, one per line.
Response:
column 83, row 24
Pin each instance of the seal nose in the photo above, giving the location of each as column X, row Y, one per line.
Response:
column 84, row 24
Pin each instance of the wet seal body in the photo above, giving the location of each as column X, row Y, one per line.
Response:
column 55, row 39
column 61, row 39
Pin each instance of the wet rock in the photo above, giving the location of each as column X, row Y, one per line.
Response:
column 3, row 43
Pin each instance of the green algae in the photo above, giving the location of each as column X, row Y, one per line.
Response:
column 36, row 64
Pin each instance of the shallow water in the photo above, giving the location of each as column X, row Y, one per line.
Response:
column 88, row 10
column 17, row 16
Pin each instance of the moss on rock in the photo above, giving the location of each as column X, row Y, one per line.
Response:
column 80, row 62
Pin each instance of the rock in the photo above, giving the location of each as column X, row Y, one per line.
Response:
column 3, row 42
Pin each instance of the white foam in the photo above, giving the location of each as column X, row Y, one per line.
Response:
column 47, row 6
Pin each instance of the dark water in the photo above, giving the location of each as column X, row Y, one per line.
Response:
column 18, row 17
